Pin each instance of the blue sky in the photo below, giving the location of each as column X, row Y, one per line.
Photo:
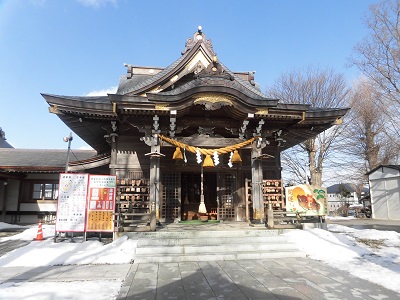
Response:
column 75, row 47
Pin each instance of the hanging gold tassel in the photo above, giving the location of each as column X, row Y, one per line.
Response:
column 177, row 154
column 208, row 162
column 236, row 157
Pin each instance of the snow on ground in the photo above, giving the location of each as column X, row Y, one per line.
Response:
column 48, row 253
column 369, row 254
column 87, row 290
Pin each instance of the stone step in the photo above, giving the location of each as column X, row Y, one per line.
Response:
column 209, row 248
column 217, row 256
column 210, row 240
column 206, row 233
column 210, row 245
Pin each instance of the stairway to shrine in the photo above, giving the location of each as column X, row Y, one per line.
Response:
column 212, row 245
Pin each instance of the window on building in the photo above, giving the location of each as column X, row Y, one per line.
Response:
column 45, row 191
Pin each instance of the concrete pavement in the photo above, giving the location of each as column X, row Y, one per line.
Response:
column 64, row 273
column 283, row 278
column 290, row 278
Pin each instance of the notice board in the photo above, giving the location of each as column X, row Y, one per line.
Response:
column 86, row 203
column 71, row 206
column 101, row 203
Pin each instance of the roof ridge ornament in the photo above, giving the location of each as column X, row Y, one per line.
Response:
column 199, row 36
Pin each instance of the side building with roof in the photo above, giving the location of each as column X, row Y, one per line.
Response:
column 29, row 180
column 384, row 182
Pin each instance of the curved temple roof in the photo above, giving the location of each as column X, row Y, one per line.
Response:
column 195, row 88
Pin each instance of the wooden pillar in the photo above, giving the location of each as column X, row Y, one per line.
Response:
column 256, row 185
column 154, row 184
column 5, row 199
column 113, row 159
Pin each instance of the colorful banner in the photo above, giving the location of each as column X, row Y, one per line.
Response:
column 307, row 200
column 71, row 205
column 101, row 203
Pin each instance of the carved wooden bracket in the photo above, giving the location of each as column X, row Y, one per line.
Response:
column 213, row 101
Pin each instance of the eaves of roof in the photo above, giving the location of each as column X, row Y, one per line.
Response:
column 326, row 112
column 394, row 167
column 96, row 107
column 89, row 100
column 39, row 159
column 37, row 169
column 294, row 106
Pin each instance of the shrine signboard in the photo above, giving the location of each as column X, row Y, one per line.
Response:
column 71, row 206
column 101, row 203
column 86, row 203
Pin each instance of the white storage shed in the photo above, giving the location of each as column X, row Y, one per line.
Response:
column 384, row 182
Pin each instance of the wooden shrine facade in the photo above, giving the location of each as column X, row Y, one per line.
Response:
column 166, row 129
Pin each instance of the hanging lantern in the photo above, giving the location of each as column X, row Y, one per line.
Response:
column 208, row 162
column 236, row 157
column 177, row 154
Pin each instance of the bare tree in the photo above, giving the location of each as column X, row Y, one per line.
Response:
column 378, row 57
column 368, row 141
column 322, row 89
column 367, row 124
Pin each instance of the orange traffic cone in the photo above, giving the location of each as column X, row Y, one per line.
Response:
column 39, row 236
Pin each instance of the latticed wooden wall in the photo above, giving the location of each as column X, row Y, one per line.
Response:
column 170, row 200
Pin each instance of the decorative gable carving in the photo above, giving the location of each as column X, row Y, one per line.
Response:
column 213, row 101
column 214, row 69
column 198, row 61
column 199, row 36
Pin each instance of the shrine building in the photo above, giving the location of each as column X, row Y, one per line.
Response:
column 192, row 141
